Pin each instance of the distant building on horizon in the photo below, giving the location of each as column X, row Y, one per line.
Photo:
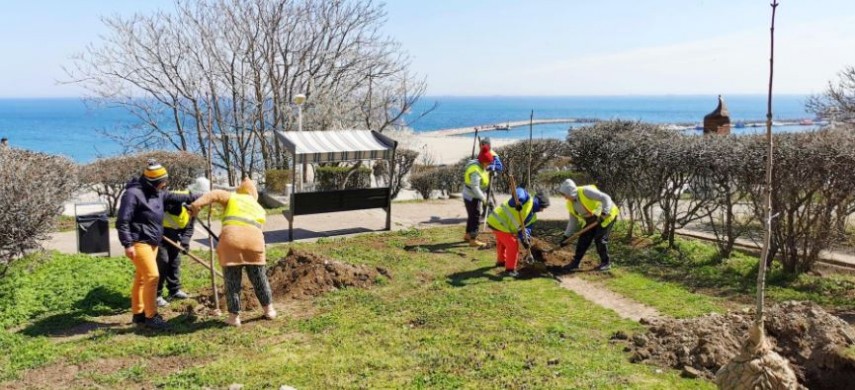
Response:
column 718, row 121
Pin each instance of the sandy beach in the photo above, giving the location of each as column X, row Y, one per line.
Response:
column 441, row 149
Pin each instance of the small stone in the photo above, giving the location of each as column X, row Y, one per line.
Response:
column 235, row 386
column 286, row 387
column 690, row 372
column 552, row 362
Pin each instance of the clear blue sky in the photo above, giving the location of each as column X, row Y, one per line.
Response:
column 517, row 47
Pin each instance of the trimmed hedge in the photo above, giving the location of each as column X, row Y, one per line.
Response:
column 330, row 178
column 33, row 187
column 276, row 180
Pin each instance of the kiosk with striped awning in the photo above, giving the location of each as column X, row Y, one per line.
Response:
column 338, row 146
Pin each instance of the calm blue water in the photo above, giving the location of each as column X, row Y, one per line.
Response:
column 68, row 127
column 455, row 112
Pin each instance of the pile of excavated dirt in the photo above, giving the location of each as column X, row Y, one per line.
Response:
column 811, row 339
column 301, row 275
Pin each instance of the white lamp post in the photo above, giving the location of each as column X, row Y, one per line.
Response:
column 298, row 101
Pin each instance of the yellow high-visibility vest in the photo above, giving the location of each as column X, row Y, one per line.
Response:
column 476, row 167
column 244, row 210
column 179, row 221
column 507, row 219
column 594, row 207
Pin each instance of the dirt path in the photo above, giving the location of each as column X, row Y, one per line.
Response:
column 604, row 297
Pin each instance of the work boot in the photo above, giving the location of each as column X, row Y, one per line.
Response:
column 161, row 302
column 157, row 323
column 269, row 312
column 233, row 320
column 178, row 295
column 138, row 319
column 476, row 244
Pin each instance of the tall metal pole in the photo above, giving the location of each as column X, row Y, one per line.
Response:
column 530, row 126
column 474, row 142
column 299, row 100
column 210, row 238
column 767, row 238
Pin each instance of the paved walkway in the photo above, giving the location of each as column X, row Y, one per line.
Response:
column 405, row 215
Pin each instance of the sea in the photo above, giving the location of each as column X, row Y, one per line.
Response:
column 69, row 127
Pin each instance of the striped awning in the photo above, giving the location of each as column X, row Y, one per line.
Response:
column 337, row 145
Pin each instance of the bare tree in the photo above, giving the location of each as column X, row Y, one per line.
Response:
column 837, row 103
column 225, row 72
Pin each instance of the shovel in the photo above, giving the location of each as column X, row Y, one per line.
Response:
column 528, row 258
column 191, row 255
column 574, row 237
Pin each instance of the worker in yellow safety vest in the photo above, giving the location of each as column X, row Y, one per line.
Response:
column 587, row 205
column 241, row 246
column 178, row 227
column 476, row 180
column 510, row 224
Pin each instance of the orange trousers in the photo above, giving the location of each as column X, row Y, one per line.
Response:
column 507, row 249
column 144, row 288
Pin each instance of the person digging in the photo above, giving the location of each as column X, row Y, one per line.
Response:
column 588, row 205
column 476, row 181
column 510, row 224
column 241, row 246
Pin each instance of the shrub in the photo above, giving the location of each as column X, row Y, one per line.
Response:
column 551, row 180
column 330, row 178
column 33, row 187
column 515, row 157
column 404, row 160
column 424, row 181
column 108, row 176
column 449, row 178
column 813, row 193
column 276, row 180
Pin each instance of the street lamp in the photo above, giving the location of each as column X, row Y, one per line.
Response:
column 298, row 101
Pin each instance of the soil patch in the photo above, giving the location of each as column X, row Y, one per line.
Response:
column 65, row 375
column 802, row 332
column 301, row 275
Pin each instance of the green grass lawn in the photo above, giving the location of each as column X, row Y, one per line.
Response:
column 445, row 319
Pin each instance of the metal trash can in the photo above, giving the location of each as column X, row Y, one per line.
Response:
column 93, row 232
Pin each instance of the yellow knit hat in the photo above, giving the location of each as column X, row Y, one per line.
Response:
column 155, row 172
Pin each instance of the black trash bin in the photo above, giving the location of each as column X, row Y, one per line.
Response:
column 93, row 233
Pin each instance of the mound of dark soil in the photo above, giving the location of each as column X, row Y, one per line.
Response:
column 304, row 274
column 802, row 332
column 301, row 275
